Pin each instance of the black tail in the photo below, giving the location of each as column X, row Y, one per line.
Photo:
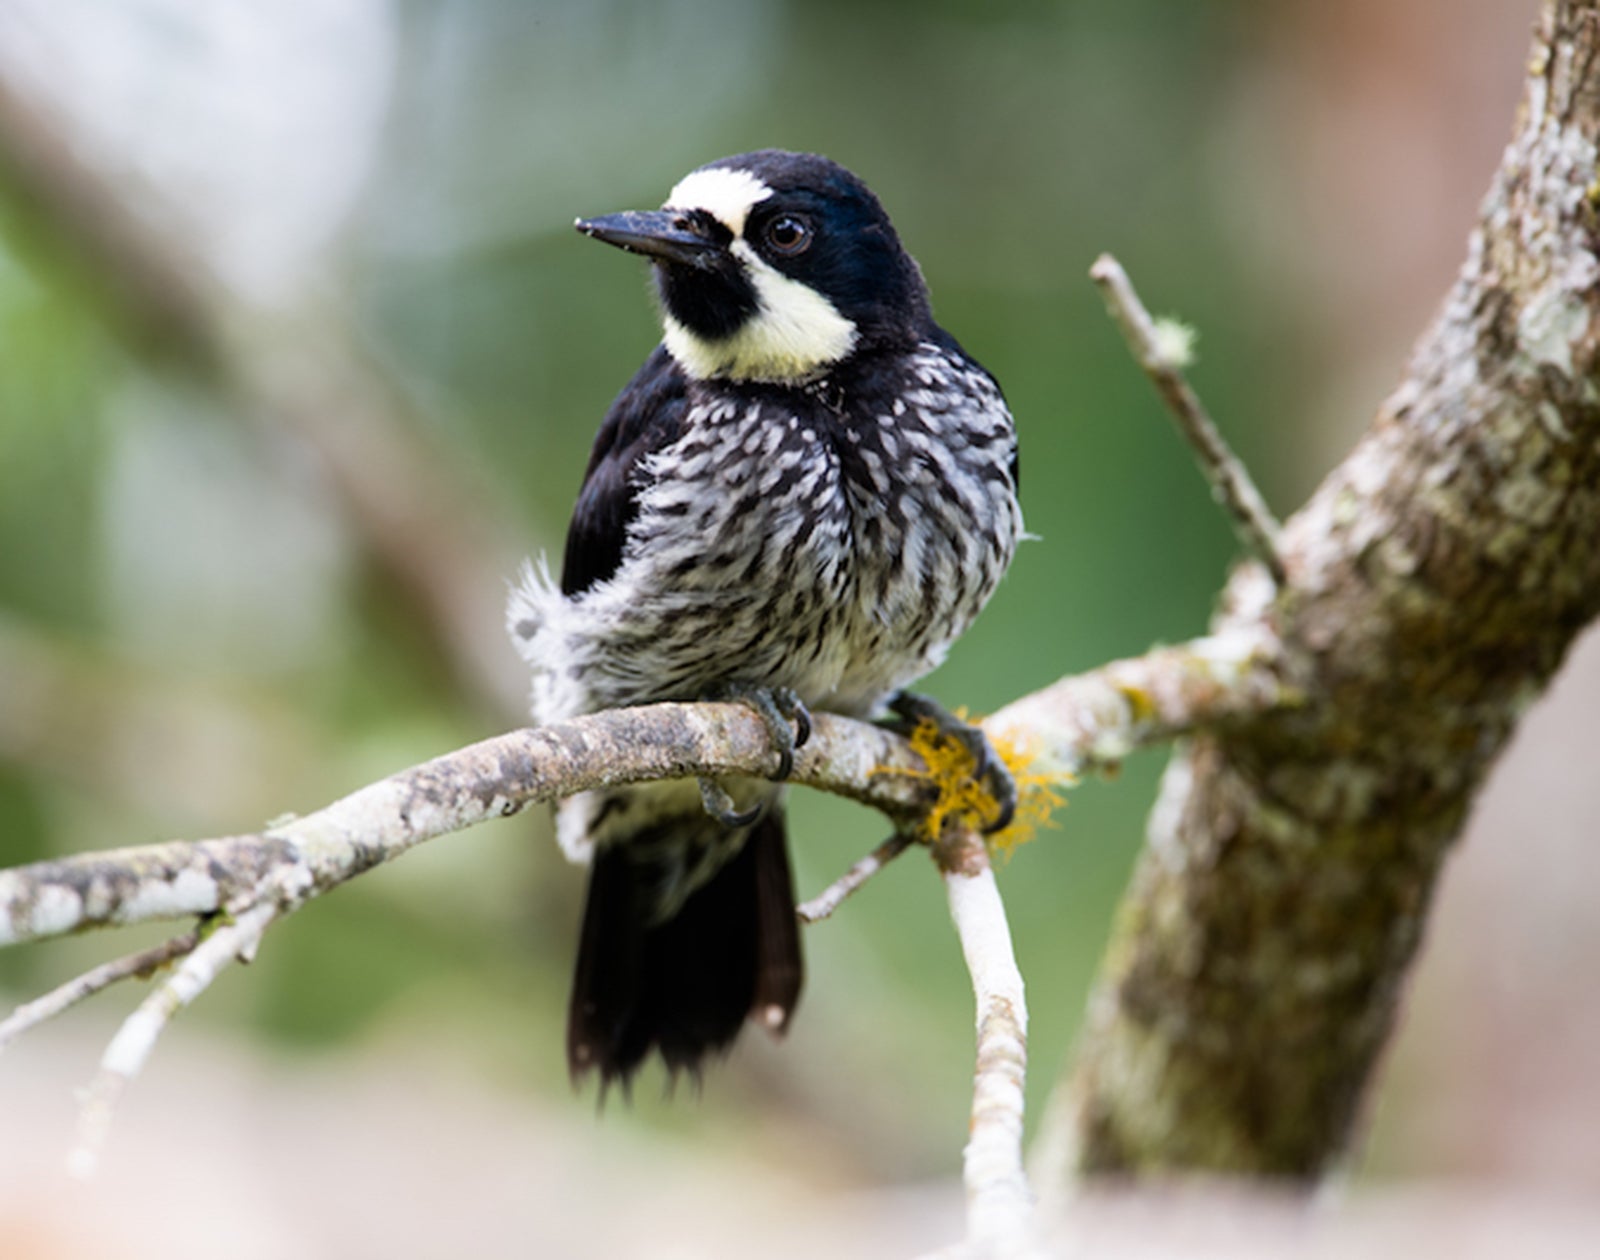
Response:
column 685, row 986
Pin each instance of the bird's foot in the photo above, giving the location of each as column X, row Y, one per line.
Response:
column 911, row 709
column 722, row 807
column 788, row 724
column 781, row 711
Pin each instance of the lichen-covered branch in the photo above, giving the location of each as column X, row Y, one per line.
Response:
column 1078, row 721
column 498, row 776
column 1094, row 720
column 1000, row 1203
column 1434, row 583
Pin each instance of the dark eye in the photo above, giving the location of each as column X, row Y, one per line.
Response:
column 788, row 234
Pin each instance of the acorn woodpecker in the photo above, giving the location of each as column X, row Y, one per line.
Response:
column 803, row 498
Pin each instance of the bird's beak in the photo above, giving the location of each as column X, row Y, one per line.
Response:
column 663, row 234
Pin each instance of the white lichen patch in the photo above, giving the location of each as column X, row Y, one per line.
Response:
column 1552, row 321
column 190, row 892
column 56, row 909
column 1174, row 342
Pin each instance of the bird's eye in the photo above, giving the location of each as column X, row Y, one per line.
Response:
column 788, row 234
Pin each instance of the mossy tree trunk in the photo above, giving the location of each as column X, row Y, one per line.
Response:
column 1435, row 582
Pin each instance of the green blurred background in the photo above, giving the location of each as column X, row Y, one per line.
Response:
column 212, row 611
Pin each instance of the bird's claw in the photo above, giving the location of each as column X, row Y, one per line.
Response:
column 720, row 806
column 788, row 724
column 911, row 709
column 782, row 712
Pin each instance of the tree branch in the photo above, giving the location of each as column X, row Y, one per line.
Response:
column 1092, row 721
column 1081, row 721
column 833, row 896
column 495, row 777
column 1435, row 582
column 999, row 1199
column 1252, row 520
column 129, row 1050
column 144, row 963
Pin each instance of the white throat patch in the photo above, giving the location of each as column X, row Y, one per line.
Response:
column 794, row 334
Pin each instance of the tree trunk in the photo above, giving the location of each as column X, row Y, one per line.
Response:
column 1435, row 582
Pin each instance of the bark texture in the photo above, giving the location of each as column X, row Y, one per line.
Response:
column 1435, row 582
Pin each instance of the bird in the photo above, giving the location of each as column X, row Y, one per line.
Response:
column 803, row 497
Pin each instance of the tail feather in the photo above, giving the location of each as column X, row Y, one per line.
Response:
column 683, row 987
column 780, row 969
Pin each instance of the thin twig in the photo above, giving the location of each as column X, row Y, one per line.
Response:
column 68, row 995
column 131, row 1047
column 1000, row 1202
column 832, row 897
column 1252, row 520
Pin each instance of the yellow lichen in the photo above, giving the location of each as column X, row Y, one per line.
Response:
column 1141, row 704
column 960, row 794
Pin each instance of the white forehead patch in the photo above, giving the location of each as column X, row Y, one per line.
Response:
column 728, row 194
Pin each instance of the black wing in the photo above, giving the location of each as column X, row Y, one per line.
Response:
column 940, row 337
column 646, row 416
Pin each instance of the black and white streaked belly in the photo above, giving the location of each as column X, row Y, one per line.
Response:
column 836, row 546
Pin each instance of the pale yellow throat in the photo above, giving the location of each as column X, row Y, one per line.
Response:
column 795, row 333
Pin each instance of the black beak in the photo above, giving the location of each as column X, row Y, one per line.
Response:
column 663, row 234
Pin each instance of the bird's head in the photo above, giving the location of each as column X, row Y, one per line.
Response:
column 773, row 266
